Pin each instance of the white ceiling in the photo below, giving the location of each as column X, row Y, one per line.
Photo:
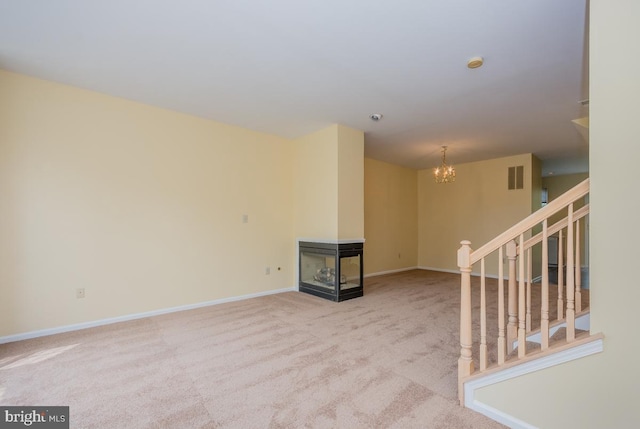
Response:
column 291, row 67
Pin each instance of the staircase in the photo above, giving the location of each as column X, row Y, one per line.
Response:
column 506, row 319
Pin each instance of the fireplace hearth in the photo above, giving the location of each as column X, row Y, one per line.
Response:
column 331, row 270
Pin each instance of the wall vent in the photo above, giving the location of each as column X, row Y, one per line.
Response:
column 516, row 177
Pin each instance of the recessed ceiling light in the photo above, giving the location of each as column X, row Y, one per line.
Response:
column 475, row 62
column 375, row 117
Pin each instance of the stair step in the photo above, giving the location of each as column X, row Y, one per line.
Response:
column 558, row 338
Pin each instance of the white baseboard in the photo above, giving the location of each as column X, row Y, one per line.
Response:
column 536, row 365
column 382, row 273
column 92, row 324
column 500, row 417
column 442, row 270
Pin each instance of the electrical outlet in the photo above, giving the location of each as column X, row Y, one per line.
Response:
column 245, row 218
column 80, row 292
column 267, row 270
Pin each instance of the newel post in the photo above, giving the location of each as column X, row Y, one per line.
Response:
column 465, row 363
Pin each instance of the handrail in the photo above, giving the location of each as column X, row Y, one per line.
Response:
column 532, row 220
column 561, row 224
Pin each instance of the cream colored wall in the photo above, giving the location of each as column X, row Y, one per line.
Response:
column 315, row 182
column 328, row 178
column 140, row 206
column 350, row 183
column 556, row 186
column 391, row 217
column 601, row 390
column 476, row 207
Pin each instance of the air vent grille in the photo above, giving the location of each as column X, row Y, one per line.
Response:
column 516, row 177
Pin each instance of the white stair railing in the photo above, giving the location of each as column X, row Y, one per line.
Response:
column 514, row 326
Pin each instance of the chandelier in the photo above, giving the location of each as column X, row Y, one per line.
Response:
column 445, row 173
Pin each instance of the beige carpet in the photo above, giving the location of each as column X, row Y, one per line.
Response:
column 290, row 360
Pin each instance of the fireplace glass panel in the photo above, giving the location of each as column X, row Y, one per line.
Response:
column 349, row 272
column 318, row 269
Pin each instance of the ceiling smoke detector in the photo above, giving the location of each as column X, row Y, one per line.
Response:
column 375, row 117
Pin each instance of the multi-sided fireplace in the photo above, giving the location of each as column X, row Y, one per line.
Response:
column 331, row 270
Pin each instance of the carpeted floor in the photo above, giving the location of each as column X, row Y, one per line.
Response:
column 290, row 360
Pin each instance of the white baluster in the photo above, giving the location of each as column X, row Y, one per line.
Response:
column 560, row 276
column 483, row 319
column 529, row 281
column 571, row 312
column 512, row 325
column 501, row 322
column 578, row 270
column 522, row 325
column 544, row 314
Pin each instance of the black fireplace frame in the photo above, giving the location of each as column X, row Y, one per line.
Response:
column 336, row 250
